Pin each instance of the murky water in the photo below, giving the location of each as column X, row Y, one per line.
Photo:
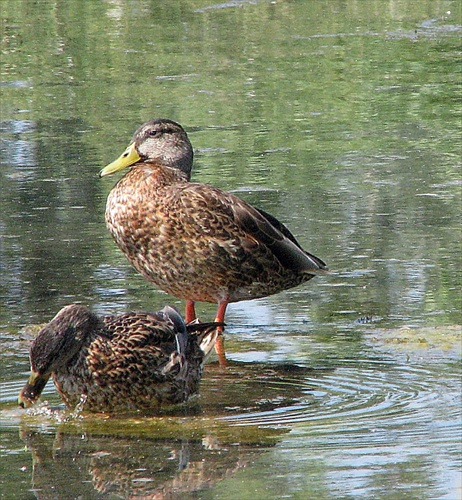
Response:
column 340, row 118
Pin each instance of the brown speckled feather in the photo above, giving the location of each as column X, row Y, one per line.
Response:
column 197, row 242
column 119, row 363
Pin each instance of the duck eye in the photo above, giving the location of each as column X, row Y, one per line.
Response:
column 154, row 133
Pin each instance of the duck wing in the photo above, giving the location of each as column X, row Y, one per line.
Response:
column 267, row 230
column 214, row 209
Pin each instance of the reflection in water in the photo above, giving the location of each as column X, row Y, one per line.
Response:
column 86, row 466
column 17, row 150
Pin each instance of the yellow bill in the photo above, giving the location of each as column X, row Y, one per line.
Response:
column 127, row 158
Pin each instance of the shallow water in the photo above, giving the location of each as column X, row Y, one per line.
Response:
column 340, row 118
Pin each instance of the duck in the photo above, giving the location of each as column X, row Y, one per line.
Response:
column 118, row 363
column 193, row 240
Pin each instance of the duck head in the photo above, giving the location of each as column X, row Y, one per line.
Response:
column 161, row 141
column 55, row 345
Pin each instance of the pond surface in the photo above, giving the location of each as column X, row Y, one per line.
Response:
column 340, row 118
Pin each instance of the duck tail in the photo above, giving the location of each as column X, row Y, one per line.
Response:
column 206, row 334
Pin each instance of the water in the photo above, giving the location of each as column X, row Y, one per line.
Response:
column 340, row 118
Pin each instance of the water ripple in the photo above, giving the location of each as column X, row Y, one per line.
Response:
column 362, row 397
column 355, row 397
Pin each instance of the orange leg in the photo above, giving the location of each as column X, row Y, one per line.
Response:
column 219, row 343
column 190, row 312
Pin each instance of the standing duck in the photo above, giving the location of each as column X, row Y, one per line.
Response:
column 118, row 363
column 195, row 241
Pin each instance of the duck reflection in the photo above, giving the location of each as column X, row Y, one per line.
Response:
column 88, row 466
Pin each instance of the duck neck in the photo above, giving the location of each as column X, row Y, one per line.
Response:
column 156, row 175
